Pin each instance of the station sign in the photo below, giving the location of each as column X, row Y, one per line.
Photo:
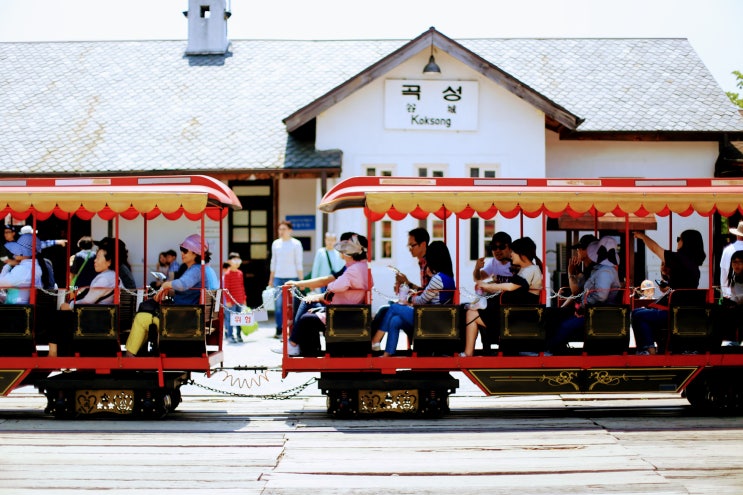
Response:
column 430, row 105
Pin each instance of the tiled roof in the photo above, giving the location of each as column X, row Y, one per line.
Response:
column 87, row 107
column 619, row 84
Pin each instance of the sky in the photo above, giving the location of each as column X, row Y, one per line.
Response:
column 713, row 27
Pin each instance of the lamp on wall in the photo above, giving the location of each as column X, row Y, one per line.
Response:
column 431, row 66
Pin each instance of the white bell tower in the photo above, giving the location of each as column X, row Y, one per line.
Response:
column 207, row 27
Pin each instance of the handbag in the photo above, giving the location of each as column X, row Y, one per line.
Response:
column 269, row 297
column 149, row 306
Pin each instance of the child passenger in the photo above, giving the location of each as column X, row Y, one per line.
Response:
column 523, row 288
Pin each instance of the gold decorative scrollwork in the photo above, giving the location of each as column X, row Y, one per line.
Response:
column 561, row 379
column 605, row 378
column 383, row 401
column 104, row 401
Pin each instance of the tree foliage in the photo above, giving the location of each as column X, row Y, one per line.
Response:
column 735, row 97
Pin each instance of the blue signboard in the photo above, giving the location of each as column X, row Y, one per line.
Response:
column 302, row 222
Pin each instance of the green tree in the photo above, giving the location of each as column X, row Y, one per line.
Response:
column 735, row 97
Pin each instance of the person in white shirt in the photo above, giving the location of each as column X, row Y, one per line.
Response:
column 727, row 254
column 286, row 265
column 327, row 260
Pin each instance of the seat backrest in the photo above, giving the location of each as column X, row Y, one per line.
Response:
column 182, row 323
column 348, row 323
column 96, row 330
column 96, row 322
column 522, row 321
column 182, row 330
column 17, row 330
column 436, row 321
column 690, row 314
column 691, row 321
column 438, row 329
column 17, row 321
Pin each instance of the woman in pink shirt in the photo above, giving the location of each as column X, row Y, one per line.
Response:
column 349, row 288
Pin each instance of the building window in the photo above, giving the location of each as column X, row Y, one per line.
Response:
column 381, row 241
column 481, row 231
column 433, row 225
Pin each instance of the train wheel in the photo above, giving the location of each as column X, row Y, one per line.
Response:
column 61, row 404
column 343, row 403
column 152, row 404
column 714, row 392
column 433, row 403
column 175, row 398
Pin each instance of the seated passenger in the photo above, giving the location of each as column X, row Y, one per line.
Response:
column 125, row 269
column 321, row 282
column 735, row 278
column 418, row 241
column 599, row 289
column 15, row 276
column 496, row 269
column 101, row 291
column 683, row 271
column 349, row 288
column 580, row 264
column 732, row 305
column 185, row 290
column 440, row 290
column 523, row 288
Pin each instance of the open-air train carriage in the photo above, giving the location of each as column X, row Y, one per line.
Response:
column 694, row 363
column 98, row 377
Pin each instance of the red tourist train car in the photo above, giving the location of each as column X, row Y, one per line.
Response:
column 692, row 359
column 98, row 377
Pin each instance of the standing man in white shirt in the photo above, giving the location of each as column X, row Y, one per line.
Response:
column 727, row 254
column 286, row 265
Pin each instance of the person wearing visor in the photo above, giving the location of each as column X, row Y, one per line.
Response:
column 15, row 276
column 320, row 282
column 186, row 290
column 349, row 288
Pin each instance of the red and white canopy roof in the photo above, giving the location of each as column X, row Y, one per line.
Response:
column 397, row 197
column 85, row 197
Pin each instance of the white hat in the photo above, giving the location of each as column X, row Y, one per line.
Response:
column 739, row 230
column 592, row 251
column 355, row 245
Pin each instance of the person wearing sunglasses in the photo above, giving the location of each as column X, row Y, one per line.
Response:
column 185, row 289
column 496, row 269
column 418, row 241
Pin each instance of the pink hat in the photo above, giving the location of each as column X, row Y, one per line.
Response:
column 194, row 244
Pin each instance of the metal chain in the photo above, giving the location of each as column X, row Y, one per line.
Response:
column 284, row 395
